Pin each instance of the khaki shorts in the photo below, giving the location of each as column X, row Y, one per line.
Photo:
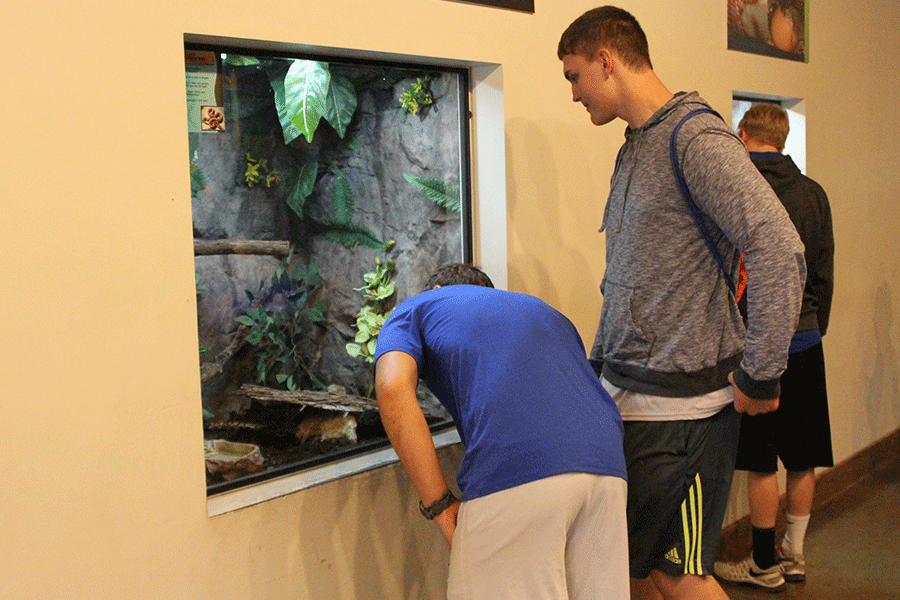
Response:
column 555, row 538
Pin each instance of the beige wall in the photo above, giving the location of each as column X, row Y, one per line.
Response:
column 98, row 320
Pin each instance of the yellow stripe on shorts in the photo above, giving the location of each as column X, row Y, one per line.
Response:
column 692, row 526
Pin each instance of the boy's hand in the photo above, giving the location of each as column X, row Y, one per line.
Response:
column 447, row 521
column 745, row 404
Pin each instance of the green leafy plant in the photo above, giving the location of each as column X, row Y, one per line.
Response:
column 442, row 194
column 416, row 97
column 258, row 172
column 279, row 316
column 379, row 294
column 306, row 92
column 339, row 228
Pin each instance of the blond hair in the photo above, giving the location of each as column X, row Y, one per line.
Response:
column 766, row 123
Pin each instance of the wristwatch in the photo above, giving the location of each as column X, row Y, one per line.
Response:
column 430, row 512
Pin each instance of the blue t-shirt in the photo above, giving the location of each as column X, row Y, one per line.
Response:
column 513, row 374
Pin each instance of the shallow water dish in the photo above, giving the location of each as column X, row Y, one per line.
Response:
column 232, row 459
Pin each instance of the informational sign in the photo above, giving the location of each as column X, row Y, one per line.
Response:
column 204, row 92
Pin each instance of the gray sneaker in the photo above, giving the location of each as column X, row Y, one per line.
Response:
column 747, row 572
column 793, row 567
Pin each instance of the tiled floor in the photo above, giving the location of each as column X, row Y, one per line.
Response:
column 852, row 547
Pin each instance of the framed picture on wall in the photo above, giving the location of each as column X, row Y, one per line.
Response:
column 775, row 28
column 521, row 5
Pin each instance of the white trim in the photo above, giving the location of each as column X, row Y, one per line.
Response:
column 275, row 488
column 489, row 172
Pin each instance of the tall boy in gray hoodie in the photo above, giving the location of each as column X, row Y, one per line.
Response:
column 671, row 346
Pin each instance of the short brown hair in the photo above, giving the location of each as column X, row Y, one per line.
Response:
column 458, row 274
column 607, row 27
column 766, row 123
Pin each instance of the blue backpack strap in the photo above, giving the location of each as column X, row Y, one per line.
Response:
column 689, row 199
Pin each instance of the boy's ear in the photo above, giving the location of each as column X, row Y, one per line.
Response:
column 604, row 59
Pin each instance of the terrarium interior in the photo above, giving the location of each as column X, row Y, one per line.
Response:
column 323, row 193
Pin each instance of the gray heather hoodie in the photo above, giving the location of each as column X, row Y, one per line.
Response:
column 669, row 325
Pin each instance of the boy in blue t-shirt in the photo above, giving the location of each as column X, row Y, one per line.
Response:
column 543, row 475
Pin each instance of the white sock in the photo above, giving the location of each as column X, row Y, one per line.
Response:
column 794, row 534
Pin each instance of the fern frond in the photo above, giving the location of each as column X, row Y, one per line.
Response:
column 343, row 197
column 350, row 234
column 442, row 194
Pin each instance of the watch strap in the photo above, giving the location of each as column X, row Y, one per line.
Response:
column 440, row 505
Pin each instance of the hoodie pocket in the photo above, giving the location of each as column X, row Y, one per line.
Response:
column 623, row 338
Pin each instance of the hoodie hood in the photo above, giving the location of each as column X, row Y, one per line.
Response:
column 691, row 100
column 778, row 169
column 636, row 138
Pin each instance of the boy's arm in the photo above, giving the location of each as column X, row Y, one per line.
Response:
column 730, row 189
column 396, row 378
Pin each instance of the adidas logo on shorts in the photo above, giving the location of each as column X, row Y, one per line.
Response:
column 672, row 556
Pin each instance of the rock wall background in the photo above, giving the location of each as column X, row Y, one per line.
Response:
column 426, row 234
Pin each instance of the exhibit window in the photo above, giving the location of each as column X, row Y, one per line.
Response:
column 324, row 191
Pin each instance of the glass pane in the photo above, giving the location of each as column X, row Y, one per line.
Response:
column 323, row 192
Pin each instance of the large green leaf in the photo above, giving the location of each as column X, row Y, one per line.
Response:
column 276, row 71
column 343, row 197
column 305, row 92
column 341, row 103
column 313, row 277
column 301, row 187
column 440, row 193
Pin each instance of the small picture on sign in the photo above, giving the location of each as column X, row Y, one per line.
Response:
column 212, row 118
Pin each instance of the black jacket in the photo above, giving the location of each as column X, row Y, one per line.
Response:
column 807, row 205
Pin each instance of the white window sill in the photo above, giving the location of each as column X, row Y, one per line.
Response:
column 288, row 484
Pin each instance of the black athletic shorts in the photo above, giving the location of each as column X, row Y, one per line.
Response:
column 799, row 432
column 679, row 480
